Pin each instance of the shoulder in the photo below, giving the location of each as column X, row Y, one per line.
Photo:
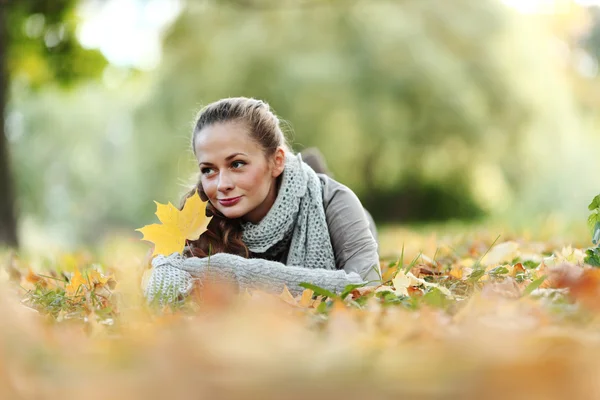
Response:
column 334, row 191
column 346, row 217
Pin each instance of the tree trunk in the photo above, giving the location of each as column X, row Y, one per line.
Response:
column 8, row 222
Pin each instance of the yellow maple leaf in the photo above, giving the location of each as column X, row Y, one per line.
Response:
column 76, row 281
column 177, row 226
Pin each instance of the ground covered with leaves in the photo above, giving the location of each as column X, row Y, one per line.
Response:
column 488, row 313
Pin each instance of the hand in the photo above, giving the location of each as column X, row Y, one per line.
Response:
column 168, row 282
column 174, row 259
column 218, row 267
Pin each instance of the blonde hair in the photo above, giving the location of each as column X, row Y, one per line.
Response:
column 263, row 125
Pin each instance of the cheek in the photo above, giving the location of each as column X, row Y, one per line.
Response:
column 209, row 187
column 254, row 181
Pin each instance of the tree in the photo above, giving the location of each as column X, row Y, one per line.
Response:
column 425, row 105
column 8, row 232
column 37, row 45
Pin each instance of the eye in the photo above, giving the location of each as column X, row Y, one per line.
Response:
column 206, row 171
column 237, row 164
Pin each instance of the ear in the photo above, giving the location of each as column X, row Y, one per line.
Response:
column 278, row 162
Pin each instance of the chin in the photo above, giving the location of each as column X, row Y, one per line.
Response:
column 232, row 212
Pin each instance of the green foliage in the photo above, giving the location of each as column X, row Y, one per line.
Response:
column 530, row 264
column 319, row 290
column 594, row 219
column 390, row 92
column 534, row 285
column 42, row 46
column 427, row 110
column 57, row 304
column 476, row 274
column 498, row 271
column 436, row 298
column 593, row 254
column 348, row 289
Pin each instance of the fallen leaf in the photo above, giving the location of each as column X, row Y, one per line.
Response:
column 500, row 253
column 456, row 272
column 93, row 279
column 517, row 269
column 401, row 283
column 389, row 273
column 416, row 281
column 584, row 287
column 306, row 298
column 287, row 297
column 508, row 288
column 77, row 280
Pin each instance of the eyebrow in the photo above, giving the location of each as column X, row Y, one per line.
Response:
column 226, row 158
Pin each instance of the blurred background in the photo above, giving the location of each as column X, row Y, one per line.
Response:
column 430, row 110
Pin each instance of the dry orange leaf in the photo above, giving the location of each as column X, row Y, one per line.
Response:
column 76, row 281
column 306, row 299
column 287, row 297
column 33, row 278
column 177, row 226
column 93, row 279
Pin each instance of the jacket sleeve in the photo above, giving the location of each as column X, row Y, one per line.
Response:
column 353, row 243
column 270, row 276
column 172, row 277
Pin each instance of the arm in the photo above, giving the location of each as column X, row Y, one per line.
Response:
column 270, row 276
column 167, row 282
column 354, row 246
column 172, row 277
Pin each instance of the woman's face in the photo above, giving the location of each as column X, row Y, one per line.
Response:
column 236, row 176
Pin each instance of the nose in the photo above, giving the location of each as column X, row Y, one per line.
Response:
column 225, row 183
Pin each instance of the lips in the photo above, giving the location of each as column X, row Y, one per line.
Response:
column 230, row 202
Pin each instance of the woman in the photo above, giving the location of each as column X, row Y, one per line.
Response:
column 275, row 221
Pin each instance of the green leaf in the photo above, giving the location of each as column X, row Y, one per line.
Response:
column 389, row 298
column 350, row 288
column 530, row 264
column 318, row 290
column 322, row 308
column 476, row 274
column 435, row 298
column 593, row 219
column 499, row 271
column 596, row 233
column 592, row 257
column 595, row 204
column 533, row 285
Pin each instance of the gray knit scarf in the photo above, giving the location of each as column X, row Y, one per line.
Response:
column 297, row 218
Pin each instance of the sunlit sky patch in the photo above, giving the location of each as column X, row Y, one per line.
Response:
column 546, row 6
column 127, row 32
